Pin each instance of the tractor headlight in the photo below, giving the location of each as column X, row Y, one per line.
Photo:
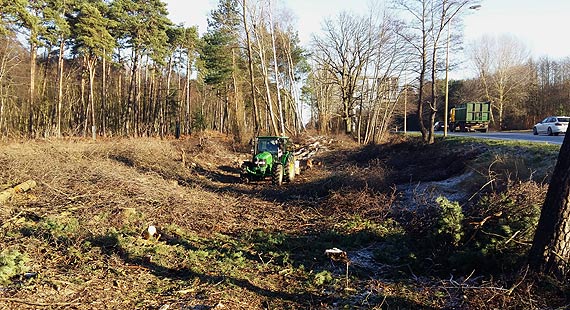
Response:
column 260, row 162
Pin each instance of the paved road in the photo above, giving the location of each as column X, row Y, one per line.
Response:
column 511, row 135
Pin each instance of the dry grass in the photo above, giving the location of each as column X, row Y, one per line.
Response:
column 93, row 193
column 222, row 244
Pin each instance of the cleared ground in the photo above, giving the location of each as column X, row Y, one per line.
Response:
column 76, row 240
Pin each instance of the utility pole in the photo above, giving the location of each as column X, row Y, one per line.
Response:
column 405, row 103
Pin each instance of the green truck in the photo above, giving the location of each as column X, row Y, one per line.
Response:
column 470, row 116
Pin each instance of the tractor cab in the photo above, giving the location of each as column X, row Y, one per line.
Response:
column 271, row 158
column 273, row 145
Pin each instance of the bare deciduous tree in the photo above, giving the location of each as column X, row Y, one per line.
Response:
column 9, row 59
column 427, row 22
column 359, row 60
column 344, row 49
column 502, row 64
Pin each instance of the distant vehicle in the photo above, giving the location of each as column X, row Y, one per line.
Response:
column 438, row 126
column 552, row 125
column 470, row 116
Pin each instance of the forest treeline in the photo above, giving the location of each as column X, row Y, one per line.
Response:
column 123, row 68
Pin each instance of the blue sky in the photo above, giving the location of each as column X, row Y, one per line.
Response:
column 541, row 25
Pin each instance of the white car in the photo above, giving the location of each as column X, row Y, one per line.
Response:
column 552, row 125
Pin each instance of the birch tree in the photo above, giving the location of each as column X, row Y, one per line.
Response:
column 261, row 34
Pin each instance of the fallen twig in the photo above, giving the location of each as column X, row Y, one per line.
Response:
column 39, row 304
column 11, row 219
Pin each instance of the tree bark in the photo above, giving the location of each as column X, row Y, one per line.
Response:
column 550, row 251
column 60, row 85
column 33, row 48
column 251, row 76
column 103, row 96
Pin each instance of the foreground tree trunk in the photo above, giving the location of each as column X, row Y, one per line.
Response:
column 550, row 251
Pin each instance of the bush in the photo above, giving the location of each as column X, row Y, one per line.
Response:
column 450, row 220
column 500, row 229
column 58, row 229
column 322, row 278
column 12, row 263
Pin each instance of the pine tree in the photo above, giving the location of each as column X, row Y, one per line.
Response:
column 92, row 41
column 218, row 54
column 58, row 33
column 142, row 29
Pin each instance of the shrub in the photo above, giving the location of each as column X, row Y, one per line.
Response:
column 12, row 263
column 450, row 220
column 503, row 225
column 322, row 278
column 59, row 228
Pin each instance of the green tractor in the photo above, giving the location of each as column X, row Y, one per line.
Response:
column 271, row 158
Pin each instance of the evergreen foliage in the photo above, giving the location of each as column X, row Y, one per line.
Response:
column 12, row 263
column 450, row 225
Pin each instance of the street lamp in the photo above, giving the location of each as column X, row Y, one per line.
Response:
column 445, row 112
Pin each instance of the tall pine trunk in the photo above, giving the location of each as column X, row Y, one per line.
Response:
column 91, row 63
column 60, row 85
column 187, row 99
column 32, row 94
column 103, row 97
column 131, row 96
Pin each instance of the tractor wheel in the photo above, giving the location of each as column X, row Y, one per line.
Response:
column 244, row 175
column 277, row 174
column 290, row 164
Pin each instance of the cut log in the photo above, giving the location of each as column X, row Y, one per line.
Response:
column 20, row 188
column 24, row 187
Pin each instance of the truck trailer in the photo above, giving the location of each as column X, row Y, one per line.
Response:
column 470, row 116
